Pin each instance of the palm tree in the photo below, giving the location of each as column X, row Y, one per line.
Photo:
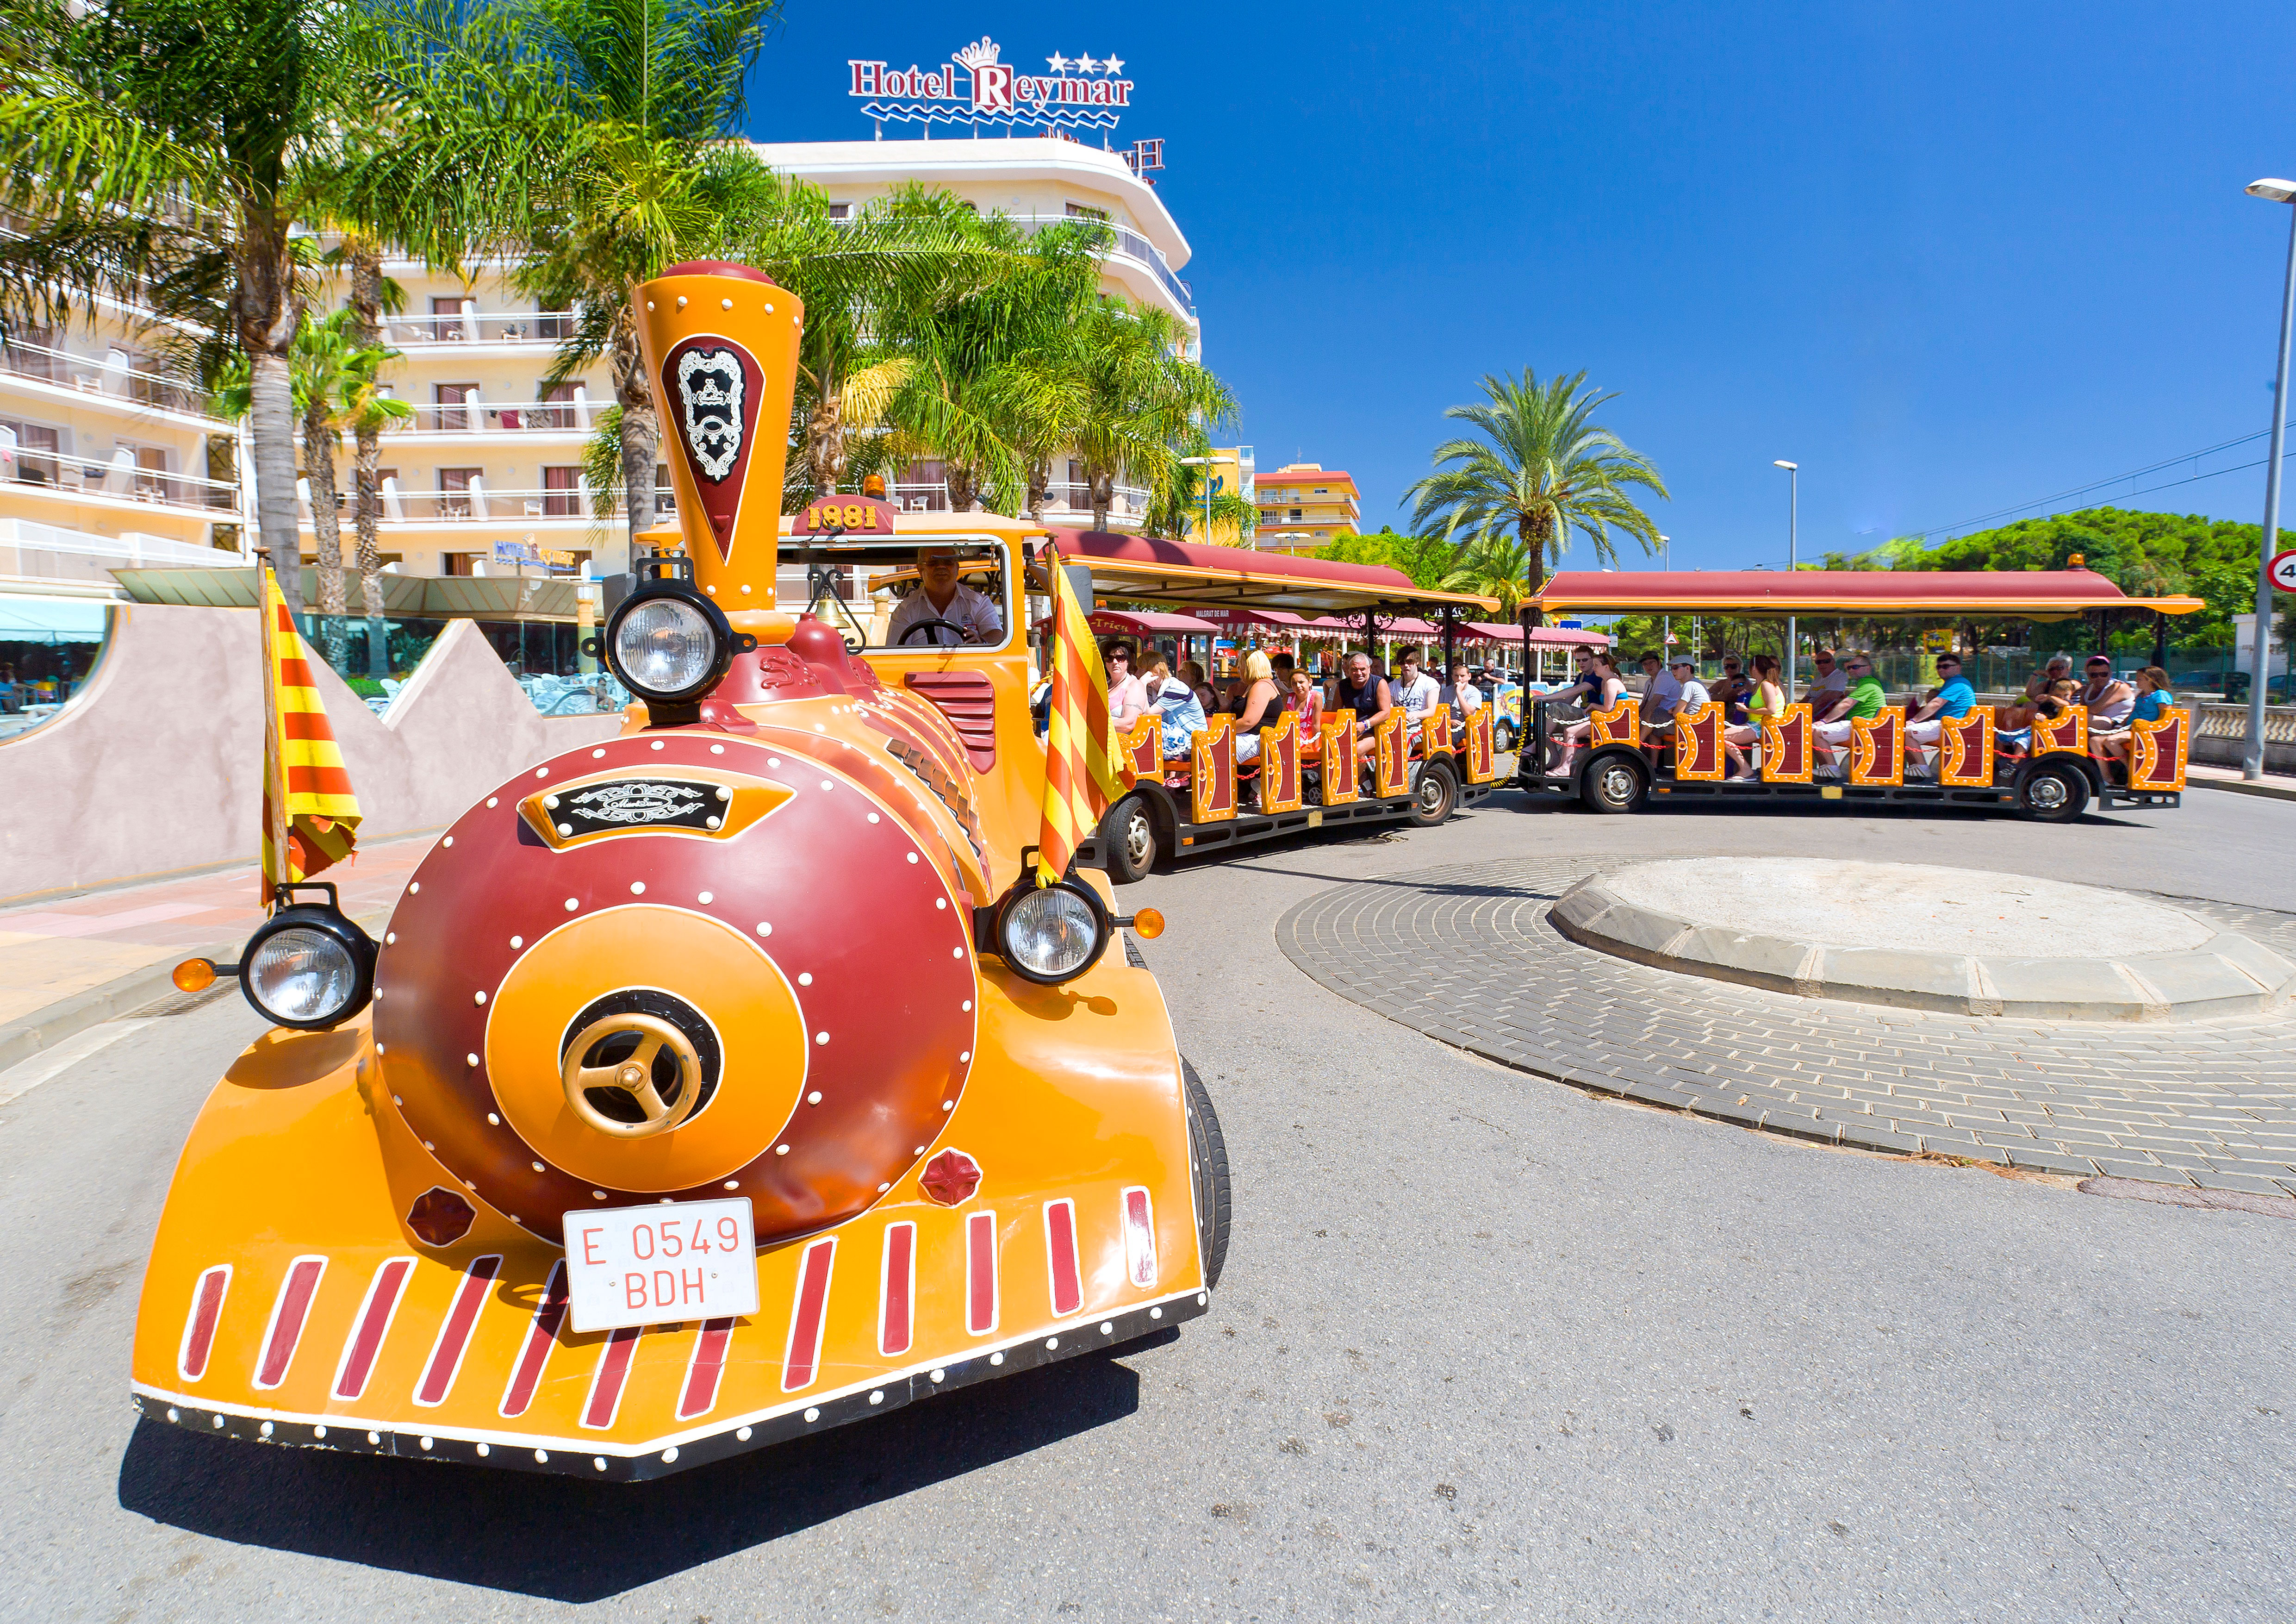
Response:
column 982, row 389
column 336, row 386
column 1142, row 399
column 159, row 151
column 594, row 133
column 1543, row 468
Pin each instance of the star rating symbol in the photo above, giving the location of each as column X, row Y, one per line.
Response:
column 1084, row 64
column 1057, row 62
column 1114, row 64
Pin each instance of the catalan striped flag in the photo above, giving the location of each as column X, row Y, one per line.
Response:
column 310, row 816
column 1080, row 775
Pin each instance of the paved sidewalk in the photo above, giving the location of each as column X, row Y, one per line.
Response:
column 67, row 965
column 2279, row 786
column 1469, row 956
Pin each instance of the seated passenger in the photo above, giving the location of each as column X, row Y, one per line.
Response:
column 1952, row 701
column 1689, row 693
column 2152, row 698
column 1193, row 675
column 1766, row 702
column 1302, row 695
column 1660, row 693
column 1416, row 692
column 942, row 612
column 1827, row 688
column 1176, row 704
column 1358, row 688
column 1598, row 688
column 1862, row 701
column 2108, row 698
column 1731, row 691
column 1262, row 702
column 1128, row 695
column 1463, row 696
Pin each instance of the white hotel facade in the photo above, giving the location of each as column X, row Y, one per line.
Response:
column 107, row 460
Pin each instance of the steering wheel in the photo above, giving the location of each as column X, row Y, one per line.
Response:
column 926, row 625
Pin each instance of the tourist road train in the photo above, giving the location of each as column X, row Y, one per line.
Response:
column 717, row 1083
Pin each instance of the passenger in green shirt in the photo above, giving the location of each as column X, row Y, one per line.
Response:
column 1862, row 698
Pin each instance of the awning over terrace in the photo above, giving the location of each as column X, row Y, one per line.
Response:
column 2035, row 595
column 1147, row 623
column 1186, row 573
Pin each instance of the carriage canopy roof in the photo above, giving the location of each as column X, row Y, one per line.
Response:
column 2024, row 594
column 1150, row 569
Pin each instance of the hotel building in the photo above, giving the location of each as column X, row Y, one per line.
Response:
column 1304, row 504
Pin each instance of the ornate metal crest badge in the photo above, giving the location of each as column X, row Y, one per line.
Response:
column 627, row 802
column 710, row 394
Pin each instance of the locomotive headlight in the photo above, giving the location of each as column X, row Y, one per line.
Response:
column 1052, row 933
column 667, row 645
column 308, row 967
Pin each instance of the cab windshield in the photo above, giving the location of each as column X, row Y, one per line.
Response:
column 905, row 593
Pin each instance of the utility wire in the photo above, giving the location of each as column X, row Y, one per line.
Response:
column 1945, row 531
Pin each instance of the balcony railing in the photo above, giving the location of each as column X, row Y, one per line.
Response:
column 1129, row 244
column 472, row 325
column 122, row 477
column 932, row 497
column 481, row 504
column 108, row 375
column 482, row 417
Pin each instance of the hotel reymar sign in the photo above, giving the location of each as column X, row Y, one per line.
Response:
column 973, row 88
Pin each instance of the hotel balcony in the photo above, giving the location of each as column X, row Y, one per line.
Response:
column 119, row 483
column 1067, row 505
column 521, row 421
column 507, row 333
column 109, row 380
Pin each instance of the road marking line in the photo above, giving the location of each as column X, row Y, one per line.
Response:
column 26, row 1075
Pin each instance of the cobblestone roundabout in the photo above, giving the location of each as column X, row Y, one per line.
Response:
column 1467, row 955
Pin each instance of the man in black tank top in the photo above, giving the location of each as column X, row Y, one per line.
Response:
column 1357, row 690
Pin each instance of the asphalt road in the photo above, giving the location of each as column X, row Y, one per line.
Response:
column 1486, row 1345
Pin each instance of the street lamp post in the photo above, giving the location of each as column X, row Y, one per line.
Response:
column 1666, row 629
column 1203, row 462
column 2252, row 760
column 1793, row 560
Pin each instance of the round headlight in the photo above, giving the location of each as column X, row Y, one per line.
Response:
column 1050, row 934
column 302, row 976
column 666, row 647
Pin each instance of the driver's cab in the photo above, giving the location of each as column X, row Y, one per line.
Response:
column 938, row 603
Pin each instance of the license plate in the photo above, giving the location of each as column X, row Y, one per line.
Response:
column 643, row 1266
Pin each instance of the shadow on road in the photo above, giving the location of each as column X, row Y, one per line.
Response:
column 568, row 1540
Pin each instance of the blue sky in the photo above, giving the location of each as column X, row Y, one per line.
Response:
column 1949, row 258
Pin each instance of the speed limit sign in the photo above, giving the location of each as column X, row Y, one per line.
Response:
column 2283, row 572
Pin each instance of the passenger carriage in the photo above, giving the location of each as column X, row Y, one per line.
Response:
column 1187, row 804
column 2051, row 778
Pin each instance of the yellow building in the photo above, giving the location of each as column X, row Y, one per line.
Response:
column 1304, row 506
column 1231, row 473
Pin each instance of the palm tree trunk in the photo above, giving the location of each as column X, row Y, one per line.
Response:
column 267, row 316
column 326, row 524
column 963, row 487
column 271, row 417
column 824, row 438
column 1040, row 486
column 366, row 459
column 1103, row 494
column 641, row 433
column 1530, row 531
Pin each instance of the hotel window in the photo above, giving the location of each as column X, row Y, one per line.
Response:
column 562, row 492
column 37, row 452
column 454, row 491
column 840, row 211
column 1295, row 515
column 665, row 497
column 1080, row 211
column 446, row 318
column 454, row 404
column 557, row 410
column 553, row 324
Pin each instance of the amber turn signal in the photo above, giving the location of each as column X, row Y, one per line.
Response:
column 1148, row 923
column 194, row 975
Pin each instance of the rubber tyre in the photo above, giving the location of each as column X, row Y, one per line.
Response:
column 1613, row 785
column 1435, row 796
column 1208, row 1163
column 2054, row 795
column 1127, row 841
column 1503, row 738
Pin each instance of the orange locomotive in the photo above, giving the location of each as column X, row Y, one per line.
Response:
column 718, row 1084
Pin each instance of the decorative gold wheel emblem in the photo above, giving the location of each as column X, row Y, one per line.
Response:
column 633, row 1075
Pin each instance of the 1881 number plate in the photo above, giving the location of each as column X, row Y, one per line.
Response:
column 641, row 1266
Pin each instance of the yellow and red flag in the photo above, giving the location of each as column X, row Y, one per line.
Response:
column 1080, row 777
column 310, row 816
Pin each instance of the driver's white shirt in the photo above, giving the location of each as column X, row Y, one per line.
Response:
column 973, row 611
